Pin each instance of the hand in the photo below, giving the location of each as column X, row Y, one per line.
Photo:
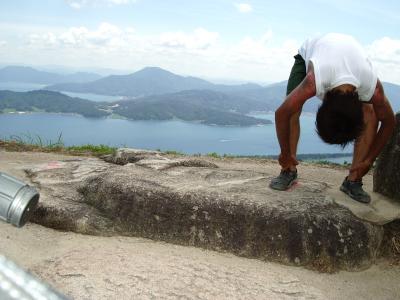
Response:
column 287, row 161
column 359, row 170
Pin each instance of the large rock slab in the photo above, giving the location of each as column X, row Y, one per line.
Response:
column 387, row 171
column 192, row 201
column 382, row 210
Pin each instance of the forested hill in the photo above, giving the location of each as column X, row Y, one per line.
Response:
column 204, row 106
column 200, row 106
column 48, row 101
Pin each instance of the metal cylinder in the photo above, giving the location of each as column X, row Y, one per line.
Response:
column 18, row 200
column 16, row 283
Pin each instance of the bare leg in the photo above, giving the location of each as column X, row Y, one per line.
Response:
column 363, row 142
column 294, row 135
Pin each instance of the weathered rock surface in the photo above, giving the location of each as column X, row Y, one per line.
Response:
column 192, row 201
column 387, row 171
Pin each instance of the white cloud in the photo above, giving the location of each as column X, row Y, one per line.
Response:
column 385, row 54
column 78, row 4
column 118, row 2
column 199, row 39
column 385, row 50
column 107, row 36
column 244, row 7
column 199, row 52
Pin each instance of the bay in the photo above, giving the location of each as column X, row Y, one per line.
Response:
column 175, row 135
column 26, row 87
column 20, row 86
column 93, row 97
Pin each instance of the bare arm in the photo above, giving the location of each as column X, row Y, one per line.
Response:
column 291, row 106
column 385, row 115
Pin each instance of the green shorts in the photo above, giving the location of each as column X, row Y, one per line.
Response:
column 297, row 74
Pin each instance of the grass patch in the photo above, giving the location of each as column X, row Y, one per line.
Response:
column 325, row 163
column 34, row 140
column 35, row 143
column 30, row 142
column 214, row 154
column 97, row 150
column 173, row 152
column 225, row 155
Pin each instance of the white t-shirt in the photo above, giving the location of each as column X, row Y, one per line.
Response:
column 339, row 59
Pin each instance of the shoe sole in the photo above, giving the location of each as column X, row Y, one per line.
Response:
column 284, row 189
column 348, row 193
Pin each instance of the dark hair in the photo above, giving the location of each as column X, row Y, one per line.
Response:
column 340, row 118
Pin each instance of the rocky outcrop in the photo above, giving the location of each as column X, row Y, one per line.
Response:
column 387, row 171
column 153, row 159
column 194, row 201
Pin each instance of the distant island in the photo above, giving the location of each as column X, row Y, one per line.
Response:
column 199, row 106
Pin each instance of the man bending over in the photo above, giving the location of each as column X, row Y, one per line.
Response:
column 335, row 68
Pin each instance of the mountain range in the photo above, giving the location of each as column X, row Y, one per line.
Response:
column 31, row 75
column 146, row 82
column 153, row 81
column 156, row 94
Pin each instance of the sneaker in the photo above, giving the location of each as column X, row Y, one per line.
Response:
column 355, row 191
column 284, row 181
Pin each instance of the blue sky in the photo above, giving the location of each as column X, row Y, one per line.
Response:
column 220, row 39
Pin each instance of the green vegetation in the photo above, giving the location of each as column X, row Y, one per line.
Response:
column 172, row 152
column 97, row 150
column 326, row 163
column 36, row 141
column 46, row 101
column 214, row 154
column 29, row 142
column 207, row 107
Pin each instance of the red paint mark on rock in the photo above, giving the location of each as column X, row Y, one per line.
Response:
column 294, row 186
column 53, row 165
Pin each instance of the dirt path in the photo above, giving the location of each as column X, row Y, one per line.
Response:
column 89, row 267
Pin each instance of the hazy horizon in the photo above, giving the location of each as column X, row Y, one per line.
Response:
column 106, row 72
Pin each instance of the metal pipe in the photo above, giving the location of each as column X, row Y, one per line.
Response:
column 17, row 284
column 18, row 200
